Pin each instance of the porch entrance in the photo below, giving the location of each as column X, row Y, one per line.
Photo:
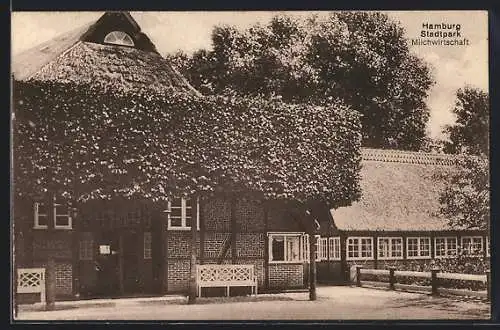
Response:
column 118, row 263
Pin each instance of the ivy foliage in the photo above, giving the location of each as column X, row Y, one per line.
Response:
column 87, row 142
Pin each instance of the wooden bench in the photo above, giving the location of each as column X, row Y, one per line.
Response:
column 226, row 276
column 31, row 280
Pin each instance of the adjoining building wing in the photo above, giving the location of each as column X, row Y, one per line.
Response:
column 400, row 192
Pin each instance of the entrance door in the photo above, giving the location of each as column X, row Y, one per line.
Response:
column 131, row 250
column 107, row 265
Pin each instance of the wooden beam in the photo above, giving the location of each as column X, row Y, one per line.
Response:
column 266, row 244
column 201, row 211
column 120, row 263
column 233, row 230
column 164, row 255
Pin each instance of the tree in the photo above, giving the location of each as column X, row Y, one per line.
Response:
column 470, row 132
column 465, row 201
column 359, row 57
column 93, row 142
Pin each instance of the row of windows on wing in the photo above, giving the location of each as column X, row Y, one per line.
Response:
column 416, row 247
column 181, row 212
column 294, row 247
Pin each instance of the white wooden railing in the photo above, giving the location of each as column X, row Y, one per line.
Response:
column 31, row 280
column 435, row 275
column 225, row 276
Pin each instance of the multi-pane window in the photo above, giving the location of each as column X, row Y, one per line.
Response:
column 61, row 212
column 119, row 38
column 334, row 247
column 147, row 245
column 390, row 247
column 288, row 247
column 445, row 246
column 321, row 248
column 41, row 216
column 86, row 247
column 182, row 213
column 418, row 247
column 359, row 248
column 472, row 245
column 62, row 216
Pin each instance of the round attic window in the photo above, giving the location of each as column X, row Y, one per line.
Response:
column 119, row 38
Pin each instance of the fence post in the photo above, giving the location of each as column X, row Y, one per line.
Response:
column 434, row 281
column 358, row 275
column 488, row 284
column 392, row 278
column 50, row 284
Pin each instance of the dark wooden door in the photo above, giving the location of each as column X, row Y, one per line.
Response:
column 131, row 267
column 107, row 265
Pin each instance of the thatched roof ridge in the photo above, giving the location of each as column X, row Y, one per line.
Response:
column 81, row 56
column 409, row 157
column 28, row 62
column 400, row 192
column 114, row 66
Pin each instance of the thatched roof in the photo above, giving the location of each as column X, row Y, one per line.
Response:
column 400, row 191
column 82, row 56
column 25, row 64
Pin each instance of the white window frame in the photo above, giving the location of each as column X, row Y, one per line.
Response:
column 390, row 257
column 481, row 250
column 333, row 244
column 183, row 216
column 488, row 246
column 303, row 247
column 359, row 257
column 37, row 224
column 121, row 39
column 446, row 249
column 419, row 250
column 68, row 215
column 147, row 248
column 37, row 215
column 321, row 248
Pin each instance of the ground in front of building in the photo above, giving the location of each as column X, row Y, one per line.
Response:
column 334, row 303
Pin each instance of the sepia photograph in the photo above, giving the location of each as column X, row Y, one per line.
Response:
column 250, row 165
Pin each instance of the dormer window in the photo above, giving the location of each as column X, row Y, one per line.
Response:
column 119, row 38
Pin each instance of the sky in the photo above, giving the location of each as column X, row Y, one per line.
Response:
column 453, row 67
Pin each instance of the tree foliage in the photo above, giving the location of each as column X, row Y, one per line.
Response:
column 90, row 142
column 359, row 57
column 470, row 132
column 466, row 198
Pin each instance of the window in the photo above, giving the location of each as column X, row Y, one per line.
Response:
column 334, row 247
column 321, row 248
column 445, row 246
column 487, row 246
column 418, row 247
column 119, row 38
column 61, row 212
column 41, row 216
column 182, row 212
column 472, row 245
column 86, row 247
column 359, row 248
column 62, row 216
column 390, row 247
column 147, row 245
column 288, row 247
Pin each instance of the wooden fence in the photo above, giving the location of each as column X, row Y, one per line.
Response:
column 435, row 277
